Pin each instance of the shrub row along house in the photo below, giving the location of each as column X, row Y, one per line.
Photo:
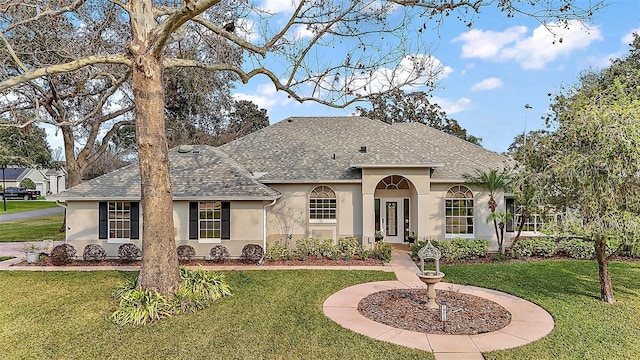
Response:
column 319, row 177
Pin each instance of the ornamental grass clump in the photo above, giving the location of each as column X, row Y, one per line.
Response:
column 198, row 290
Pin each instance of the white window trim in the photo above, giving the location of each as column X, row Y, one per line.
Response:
column 210, row 240
column 323, row 221
column 111, row 240
column 465, row 235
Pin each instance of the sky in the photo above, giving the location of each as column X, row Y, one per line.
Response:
column 491, row 70
column 494, row 69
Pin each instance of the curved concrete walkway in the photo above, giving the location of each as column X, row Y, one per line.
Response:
column 529, row 322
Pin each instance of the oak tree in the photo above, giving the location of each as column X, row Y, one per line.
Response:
column 380, row 56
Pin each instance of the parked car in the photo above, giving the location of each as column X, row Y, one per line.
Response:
column 19, row 193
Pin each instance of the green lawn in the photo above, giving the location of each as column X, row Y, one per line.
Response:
column 34, row 229
column 586, row 328
column 278, row 315
column 14, row 206
column 272, row 315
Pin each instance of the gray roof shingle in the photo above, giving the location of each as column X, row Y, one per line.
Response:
column 318, row 149
column 203, row 173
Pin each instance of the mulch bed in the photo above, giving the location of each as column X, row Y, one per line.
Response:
column 310, row 261
column 407, row 309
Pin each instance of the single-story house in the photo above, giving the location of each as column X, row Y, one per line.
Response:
column 320, row 177
column 48, row 181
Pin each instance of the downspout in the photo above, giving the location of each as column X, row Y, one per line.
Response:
column 264, row 227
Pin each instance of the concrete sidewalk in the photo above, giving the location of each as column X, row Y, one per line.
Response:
column 529, row 322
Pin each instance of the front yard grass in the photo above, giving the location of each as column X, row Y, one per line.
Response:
column 14, row 206
column 33, row 229
column 586, row 328
column 272, row 315
column 278, row 315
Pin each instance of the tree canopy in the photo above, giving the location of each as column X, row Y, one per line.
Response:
column 400, row 106
column 24, row 147
column 591, row 164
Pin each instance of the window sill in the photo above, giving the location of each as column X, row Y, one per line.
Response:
column 464, row 236
column 323, row 221
column 209, row 241
column 118, row 241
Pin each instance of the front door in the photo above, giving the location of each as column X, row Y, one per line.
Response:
column 392, row 220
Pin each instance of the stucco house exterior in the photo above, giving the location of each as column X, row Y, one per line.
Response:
column 320, row 177
column 48, row 181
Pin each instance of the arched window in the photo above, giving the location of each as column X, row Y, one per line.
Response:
column 393, row 182
column 322, row 203
column 458, row 208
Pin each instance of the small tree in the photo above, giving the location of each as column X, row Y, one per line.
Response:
column 28, row 184
column 492, row 181
column 501, row 217
column 593, row 160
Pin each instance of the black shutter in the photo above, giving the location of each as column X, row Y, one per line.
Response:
column 135, row 220
column 193, row 220
column 511, row 209
column 226, row 220
column 103, row 218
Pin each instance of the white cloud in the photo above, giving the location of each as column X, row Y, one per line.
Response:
column 412, row 71
column 453, row 106
column 487, row 84
column 265, row 97
column 488, row 44
column 277, row 6
column 544, row 45
column 628, row 38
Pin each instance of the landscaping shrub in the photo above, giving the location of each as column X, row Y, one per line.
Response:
column 347, row 248
column 545, row 247
column 277, row 251
column 315, row 247
column 219, row 253
column 455, row 249
column 94, row 252
column 198, row 289
column 382, row 251
column 62, row 254
column 129, row 252
column 364, row 253
column 186, row 252
column 252, row 253
column 576, row 248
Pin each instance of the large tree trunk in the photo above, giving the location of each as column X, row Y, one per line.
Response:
column 606, row 290
column 160, row 270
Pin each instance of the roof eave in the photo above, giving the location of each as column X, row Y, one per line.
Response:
column 367, row 165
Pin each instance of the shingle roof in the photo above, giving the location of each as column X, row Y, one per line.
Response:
column 204, row 172
column 329, row 149
column 13, row 173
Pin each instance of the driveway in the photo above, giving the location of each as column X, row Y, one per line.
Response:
column 30, row 214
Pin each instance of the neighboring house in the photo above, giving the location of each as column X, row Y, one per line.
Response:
column 48, row 181
column 321, row 177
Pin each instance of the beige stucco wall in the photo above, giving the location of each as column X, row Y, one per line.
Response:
column 246, row 227
column 295, row 197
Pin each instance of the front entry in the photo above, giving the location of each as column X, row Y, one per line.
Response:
column 394, row 218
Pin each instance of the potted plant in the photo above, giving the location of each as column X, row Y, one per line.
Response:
column 31, row 253
column 412, row 237
column 378, row 235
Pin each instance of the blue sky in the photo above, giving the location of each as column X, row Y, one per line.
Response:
column 493, row 69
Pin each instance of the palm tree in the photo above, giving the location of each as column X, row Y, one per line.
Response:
column 501, row 217
column 491, row 181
